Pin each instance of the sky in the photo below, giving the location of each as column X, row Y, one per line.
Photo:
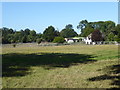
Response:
column 39, row 15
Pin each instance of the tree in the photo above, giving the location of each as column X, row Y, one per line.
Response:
column 30, row 38
column 116, row 38
column 82, row 24
column 24, row 39
column 117, row 30
column 27, row 31
column 10, row 38
column 68, row 32
column 32, row 33
column 117, row 33
column 11, row 31
column 96, row 36
column 17, row 37
column 111, row 37
column 88, row 30
column 58, row 40
column 49, row 34
column 104, row 26
column 69, row 26
column 57, row 33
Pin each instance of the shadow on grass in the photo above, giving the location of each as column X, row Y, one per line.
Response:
column 112, row 73
column 19, row 64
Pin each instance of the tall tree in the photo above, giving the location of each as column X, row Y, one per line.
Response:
column 69, row 26
column 27, row 31
column 49, row 34
column 24, row 39
column 88, row 30
column 82, row 24
column 68, row 32
column 110, row 37
column 33, row 33
column 104, row 26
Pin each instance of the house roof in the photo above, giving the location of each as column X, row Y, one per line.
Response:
column 89, row 35
column 78, row 37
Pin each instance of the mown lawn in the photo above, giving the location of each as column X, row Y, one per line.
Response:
column 69, row 66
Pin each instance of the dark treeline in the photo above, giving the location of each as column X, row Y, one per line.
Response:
column 24, row 36
column 27, row 35
column 110, row 31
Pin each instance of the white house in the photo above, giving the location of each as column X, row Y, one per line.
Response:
column 69, row 40
column 72, row 40
column 88, row 39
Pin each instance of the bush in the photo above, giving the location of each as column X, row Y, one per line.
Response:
column 58, row 40
column 39, row 40
column 96, row 36
column 14, row 45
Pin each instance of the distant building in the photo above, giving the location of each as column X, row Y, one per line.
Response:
column 88, row 39
column 73, row 40
column 70, row 40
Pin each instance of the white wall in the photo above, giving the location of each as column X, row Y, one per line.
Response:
column 87, row 40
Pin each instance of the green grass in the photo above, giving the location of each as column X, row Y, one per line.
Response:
column 70, row 66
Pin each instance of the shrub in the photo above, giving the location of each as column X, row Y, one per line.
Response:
column 58, row 40
column 96, row 36
column 14, row 45
column 39, row 40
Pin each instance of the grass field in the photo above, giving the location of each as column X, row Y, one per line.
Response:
column 69, row 66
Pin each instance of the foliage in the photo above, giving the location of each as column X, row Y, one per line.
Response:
column 96, row 36
column 39, row 40
column 58, row 40
column 87, row 31
column 32, row 33
column 49, row 34
column 24, row 36
column 106, row 27
column 24, row 39
column 116, row 38
column 82, row 24
column 111, row 36
column 117, row 33
column 68, row 32
column 109, row 30
column 69, row 26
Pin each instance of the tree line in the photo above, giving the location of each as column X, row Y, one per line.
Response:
column 27, row 35
column 109, row 30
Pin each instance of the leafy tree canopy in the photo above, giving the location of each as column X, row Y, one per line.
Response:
column 49, row 34
column 104, row 26
column 68, row 32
